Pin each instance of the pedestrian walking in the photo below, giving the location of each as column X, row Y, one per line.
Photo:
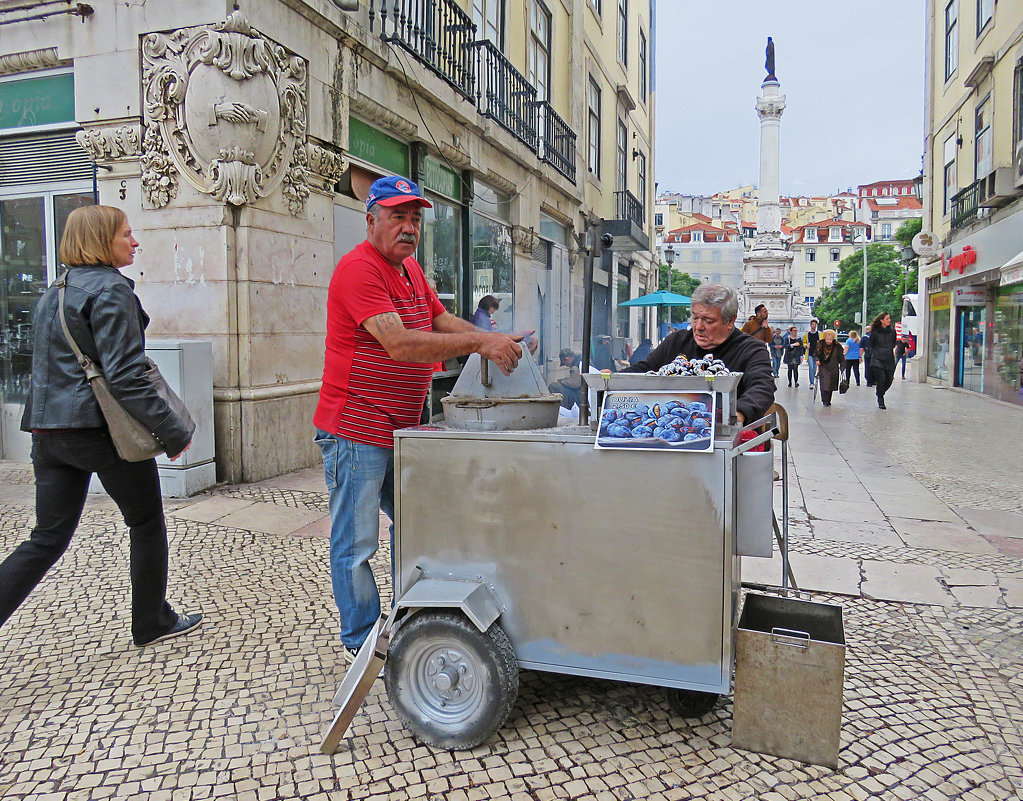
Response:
column 901, row 348
column 483, row 317
column 385, row 331
column 852, row 356
column 830, row 360
column 777, row 350
column 70, row 438
column 811, row 339
column 882, row 356
column 794, row 355
column 865, row 353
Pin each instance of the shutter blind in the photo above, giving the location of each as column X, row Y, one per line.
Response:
column 43, row 158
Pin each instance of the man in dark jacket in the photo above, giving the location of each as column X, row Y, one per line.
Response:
column 714, row 333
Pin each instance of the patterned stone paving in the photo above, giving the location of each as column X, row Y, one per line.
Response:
column 932, row 699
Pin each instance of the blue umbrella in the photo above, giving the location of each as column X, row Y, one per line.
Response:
column 661, row 297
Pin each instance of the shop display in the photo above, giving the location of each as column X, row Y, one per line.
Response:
column 680, row 365
column 658, row 420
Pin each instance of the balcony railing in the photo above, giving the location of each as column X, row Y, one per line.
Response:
column 556, row 142
column 437, row 32
column 966, row 205
column 628, row 207
column 504, row 94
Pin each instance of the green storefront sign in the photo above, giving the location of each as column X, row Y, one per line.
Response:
column 37, row 101
column 441, row 180
column 375, row 147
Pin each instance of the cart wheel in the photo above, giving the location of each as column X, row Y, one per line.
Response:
column 690, row 703
column 451, row 685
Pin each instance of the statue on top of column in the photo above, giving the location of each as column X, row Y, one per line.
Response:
column 769, row 63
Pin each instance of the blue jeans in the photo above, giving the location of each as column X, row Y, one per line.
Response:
column 360, row 480
column 776, row 362
column 811, row 362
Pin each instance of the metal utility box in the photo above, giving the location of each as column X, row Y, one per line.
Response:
column 789, row 670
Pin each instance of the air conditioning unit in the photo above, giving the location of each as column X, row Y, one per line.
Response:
column 1018, row 165
column 998, row 187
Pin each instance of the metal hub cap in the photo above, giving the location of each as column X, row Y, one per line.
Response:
column 443, row 680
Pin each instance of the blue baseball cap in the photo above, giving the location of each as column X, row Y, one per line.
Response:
column 393, row 191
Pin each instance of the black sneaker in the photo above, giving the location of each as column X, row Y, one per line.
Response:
column 184, row 625
column 350, row 654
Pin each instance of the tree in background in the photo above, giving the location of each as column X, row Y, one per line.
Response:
column 681, row 284
column 845, row 299
column 911, row 268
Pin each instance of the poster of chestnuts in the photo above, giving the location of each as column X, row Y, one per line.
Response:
column 668, row 421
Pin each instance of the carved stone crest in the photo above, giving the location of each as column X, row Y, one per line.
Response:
column 109, row 144
column 225, row 108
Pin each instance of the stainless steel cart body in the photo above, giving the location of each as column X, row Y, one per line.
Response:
column 618, row 565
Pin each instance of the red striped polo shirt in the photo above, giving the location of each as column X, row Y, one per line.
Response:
column 366, row 394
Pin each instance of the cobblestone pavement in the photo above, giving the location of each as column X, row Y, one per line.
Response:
column 932, row 694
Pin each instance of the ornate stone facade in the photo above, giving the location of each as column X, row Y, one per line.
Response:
column 42, row 59
column 207, row 86
column 111, row 144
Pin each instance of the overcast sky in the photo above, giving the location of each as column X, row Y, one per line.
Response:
column 852, row 72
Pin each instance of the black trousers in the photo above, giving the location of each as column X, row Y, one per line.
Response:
column 63, row 465
column 852, row 366
column 881, row 377
column 794, row 374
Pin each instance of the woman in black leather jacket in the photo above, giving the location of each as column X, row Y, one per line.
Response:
column 882, row 356
column 70, row 440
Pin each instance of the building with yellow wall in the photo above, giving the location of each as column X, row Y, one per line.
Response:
column 971, row 290
column 528, row 123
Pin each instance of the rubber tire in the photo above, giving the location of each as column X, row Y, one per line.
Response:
column 486, row 666
column 690, row 703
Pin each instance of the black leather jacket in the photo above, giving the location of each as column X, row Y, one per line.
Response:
column 108, row 323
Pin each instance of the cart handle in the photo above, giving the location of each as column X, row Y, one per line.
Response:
column 782, row 421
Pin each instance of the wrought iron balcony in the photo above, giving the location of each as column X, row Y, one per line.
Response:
column 504, row 94
column 966, row 205
column 556, row 141
column 437, row 32
column 628, row 207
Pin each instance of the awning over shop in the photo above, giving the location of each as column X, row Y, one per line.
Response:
column 1012, row 270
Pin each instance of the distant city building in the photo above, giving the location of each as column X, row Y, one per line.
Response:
column 708, row 252
column 818, row 249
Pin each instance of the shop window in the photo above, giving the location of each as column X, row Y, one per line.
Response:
column 441, row 251
column 492, row 253
column 1007, row 355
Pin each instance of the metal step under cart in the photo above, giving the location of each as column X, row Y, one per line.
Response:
column 560, row 556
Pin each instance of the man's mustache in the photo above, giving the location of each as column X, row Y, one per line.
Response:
column 407, row 238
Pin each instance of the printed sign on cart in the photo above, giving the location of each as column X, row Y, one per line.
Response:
column 662, row 421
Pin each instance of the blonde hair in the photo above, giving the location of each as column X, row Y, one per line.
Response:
column 854, row 335
column 88, row 235
column 832, row 331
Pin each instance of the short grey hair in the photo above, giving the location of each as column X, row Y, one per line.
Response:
column 374, row 210
column 720, row 297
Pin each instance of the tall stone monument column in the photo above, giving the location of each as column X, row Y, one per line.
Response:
column 767, row 266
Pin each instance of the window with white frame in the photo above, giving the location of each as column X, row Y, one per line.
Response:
column 835, row 254
column 809, row 278
column 540, row 49
column 642, row 67
column 595, row 5
column 623, row 31
column 886, row 230
column 949, row 173
column 810, row 235
column 621, row 160
column 951, row 38
column 641, row 178
column 593, row 128
column 489, row 25
column 659, row 219
column 810, row 300
column 982, row 137
column 1017, row 103
column 810, row 254
column 835, row 233
column 697, row 236
column 834, row 278
column 985, row 10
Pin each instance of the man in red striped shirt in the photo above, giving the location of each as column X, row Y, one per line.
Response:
column 385, row 331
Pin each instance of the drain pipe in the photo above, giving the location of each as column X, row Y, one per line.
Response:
column 594, row 244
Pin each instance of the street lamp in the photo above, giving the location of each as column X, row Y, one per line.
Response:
column 669, row 255
column 863, row 319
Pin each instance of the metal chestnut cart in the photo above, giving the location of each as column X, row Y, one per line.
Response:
column 559, row 557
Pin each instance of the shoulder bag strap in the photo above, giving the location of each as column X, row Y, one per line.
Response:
column 91, row 371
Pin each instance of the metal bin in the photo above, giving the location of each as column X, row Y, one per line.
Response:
column 789, row 669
